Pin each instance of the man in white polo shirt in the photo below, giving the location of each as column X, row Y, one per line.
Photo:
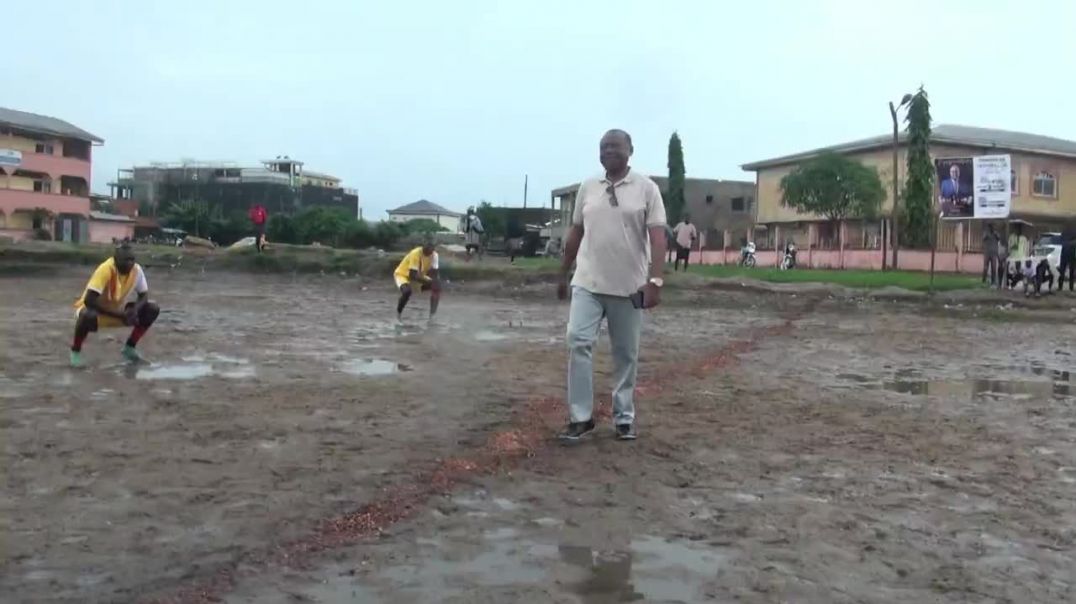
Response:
column 618, row 238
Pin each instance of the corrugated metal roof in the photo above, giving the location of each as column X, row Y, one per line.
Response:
column 424, row 207
column 110, row 217
column 45, row 124
column 971, row 136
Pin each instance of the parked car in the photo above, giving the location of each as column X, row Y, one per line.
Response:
column 1049, row 245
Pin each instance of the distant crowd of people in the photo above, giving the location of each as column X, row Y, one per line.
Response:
column 1010, row 263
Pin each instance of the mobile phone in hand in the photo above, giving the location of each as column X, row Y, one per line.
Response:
column 637, row 299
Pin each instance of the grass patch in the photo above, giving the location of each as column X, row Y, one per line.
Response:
column 914, row 281
column 305, row 259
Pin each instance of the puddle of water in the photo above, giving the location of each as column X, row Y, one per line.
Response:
column 485, row 335
column 373, row 367
column 906, row 382
column 505, row 504
column 499, row 534
column 195, row 367
column 978, row 388
column 180, row 371
column 9, row 388
column 651, row 568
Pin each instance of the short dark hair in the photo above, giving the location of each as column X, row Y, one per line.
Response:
column 124, row 247
column 624, row 132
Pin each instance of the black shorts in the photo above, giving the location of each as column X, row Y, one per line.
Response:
column 682, row 253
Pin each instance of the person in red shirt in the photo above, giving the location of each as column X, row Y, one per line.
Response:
column 259, row 216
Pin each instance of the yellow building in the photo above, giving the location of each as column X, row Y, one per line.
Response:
column 45, row 167
column 1044, row 191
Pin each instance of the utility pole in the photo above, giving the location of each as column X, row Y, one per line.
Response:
column 525, row 178
column 895, row 214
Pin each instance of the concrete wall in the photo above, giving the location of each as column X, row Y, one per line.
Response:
column 911, row 260
column 12, row 200
column 103, row 231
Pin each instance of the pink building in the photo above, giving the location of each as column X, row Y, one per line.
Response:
column 45, row 167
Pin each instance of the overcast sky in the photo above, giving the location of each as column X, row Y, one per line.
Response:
column 455, row 101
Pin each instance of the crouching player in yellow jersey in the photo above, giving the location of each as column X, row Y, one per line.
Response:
column 104, row 303
column 419, row 267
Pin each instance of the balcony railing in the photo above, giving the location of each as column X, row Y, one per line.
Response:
column 56, row 165
column 17, row 199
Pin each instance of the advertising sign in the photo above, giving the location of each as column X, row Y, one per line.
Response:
column 993, row 186
column 974, row 187
column 10, row 160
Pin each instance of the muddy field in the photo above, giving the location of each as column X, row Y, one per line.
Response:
column 289, row 443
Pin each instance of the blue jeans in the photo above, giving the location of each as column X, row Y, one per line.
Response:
column 584, row 324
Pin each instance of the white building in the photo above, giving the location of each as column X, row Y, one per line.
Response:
column 428, row 210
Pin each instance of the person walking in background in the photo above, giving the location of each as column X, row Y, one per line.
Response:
column 1019, row 247
column 991, row 250
column 618, row 237
column 472, row 233
column 1003, row 264
column 259, row 216
column 685, row 234
column 1068, row 260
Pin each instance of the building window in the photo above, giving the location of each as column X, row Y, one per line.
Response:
column 738, row 204
column 43, row 186
column 1044, row 184
column 45, row 148
column 709, row 199
column 1015, row 184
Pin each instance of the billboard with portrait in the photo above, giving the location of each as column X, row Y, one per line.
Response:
column 955, row 187
column 974, row 187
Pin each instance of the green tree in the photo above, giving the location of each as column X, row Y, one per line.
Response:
column 917, row 218
column 423, row 225
column 193, row 216
column 387, row 234
column 674, row 200
column 323, row 225
column 281, row 229
column 492, row 220
column 833, row 186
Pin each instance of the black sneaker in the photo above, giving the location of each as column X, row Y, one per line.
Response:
column 625, row 432
column 577, row 430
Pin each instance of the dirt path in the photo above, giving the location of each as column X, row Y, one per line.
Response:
column 862, row 452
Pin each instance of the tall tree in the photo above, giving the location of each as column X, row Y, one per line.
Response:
column 492, row 219
column 674, row 200
column 833, row 186
column 918, row 218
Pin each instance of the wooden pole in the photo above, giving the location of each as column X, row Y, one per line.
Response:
column 895, row 214
column 933, row 250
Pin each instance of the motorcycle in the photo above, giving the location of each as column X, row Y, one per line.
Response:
column 789, row 260
column 747, row 255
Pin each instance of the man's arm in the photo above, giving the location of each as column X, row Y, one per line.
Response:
column 91, row 301
column 657, row 251
column 571, row 248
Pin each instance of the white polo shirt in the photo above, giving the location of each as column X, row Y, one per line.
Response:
column 614, row 257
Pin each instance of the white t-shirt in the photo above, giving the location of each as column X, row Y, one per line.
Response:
column 614, row 255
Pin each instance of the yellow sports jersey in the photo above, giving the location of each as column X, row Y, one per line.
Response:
column 113, row 287
column 416, row 261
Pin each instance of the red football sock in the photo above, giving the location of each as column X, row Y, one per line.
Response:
column 136, row 335
column 76, row 345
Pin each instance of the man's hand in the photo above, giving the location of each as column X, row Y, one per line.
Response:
column 651, row 295
column 562, row 287
column 130, row 317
